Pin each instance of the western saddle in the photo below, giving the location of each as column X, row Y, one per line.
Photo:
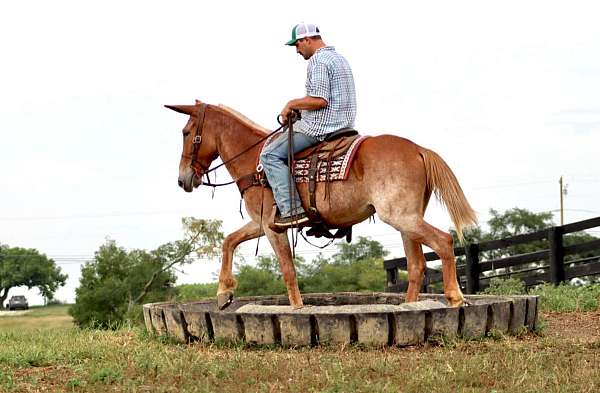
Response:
column 334, row 145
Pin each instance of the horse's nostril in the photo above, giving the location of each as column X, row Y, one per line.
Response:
column 180, row 182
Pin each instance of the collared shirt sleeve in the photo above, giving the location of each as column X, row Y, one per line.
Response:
column 317, row 81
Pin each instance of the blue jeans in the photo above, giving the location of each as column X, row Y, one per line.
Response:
column 274, row 160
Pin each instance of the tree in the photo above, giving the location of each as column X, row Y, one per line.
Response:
column 270, row 263
column 202, row 238
column 196, row 291
column 109, row 283
column 515, row 222
column 355, row 276
column 265, row 278
column 115, row 284
column 364, row 248
column 355, row 267
column 27, row 267
column 512, row 222
column 256, row 281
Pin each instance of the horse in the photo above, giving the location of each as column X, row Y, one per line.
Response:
column 390, row 176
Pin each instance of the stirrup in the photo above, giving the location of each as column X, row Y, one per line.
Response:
column 291, row 221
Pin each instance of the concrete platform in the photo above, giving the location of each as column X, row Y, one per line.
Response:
column 375, row 319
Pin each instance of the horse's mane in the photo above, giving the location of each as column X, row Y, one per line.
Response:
column 243, row 119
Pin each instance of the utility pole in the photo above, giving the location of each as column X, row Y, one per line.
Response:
column 562, row 217
column 563, row 192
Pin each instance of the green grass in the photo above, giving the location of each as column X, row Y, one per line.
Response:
column 566, row 297
column 561, row 298
column 51, row 317
column 69, row 359
column 54, row 310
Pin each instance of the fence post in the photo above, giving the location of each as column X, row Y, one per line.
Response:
column 472, row 268
column 557, row 255
column 425, row 286
column 392, row 277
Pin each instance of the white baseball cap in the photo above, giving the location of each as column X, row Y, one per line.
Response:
column 303, row 30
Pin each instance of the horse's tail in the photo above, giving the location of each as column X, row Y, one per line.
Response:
column 442, row 182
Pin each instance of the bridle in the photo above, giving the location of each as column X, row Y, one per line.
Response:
column 200, row 169
column 197, row 166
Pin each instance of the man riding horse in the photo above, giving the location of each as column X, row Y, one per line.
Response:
column 387, row 175
column 329, row 105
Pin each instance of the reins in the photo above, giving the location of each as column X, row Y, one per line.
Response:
column 198, row 139
column 291, row 180
column 198, row 167
column 195, row 163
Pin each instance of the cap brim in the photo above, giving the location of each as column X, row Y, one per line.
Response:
column 291, row 42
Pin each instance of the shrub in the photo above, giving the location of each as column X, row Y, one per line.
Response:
column 254, row 281
column 508, row 286
column 55, row 302
column 196, row 291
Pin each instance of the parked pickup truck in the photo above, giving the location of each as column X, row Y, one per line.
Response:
column 16, row 302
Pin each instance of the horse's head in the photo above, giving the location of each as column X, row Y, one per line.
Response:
column 199, row 145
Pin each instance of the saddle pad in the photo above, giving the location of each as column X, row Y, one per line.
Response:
column 338, row 168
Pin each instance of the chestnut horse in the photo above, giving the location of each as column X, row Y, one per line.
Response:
column 390, row 176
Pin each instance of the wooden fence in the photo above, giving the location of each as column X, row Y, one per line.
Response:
column 533, row 268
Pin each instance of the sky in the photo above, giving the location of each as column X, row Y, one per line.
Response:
column 508, row 93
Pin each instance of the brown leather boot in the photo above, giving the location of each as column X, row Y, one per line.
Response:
column 280, row 224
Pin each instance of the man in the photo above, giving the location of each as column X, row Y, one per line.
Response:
column 329, row 105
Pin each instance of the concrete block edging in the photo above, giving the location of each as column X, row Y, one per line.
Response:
column 371, row 319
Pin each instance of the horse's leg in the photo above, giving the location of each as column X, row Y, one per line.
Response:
column 281, row 245
column 227, row 282
column 415, row 261
column 421, row 232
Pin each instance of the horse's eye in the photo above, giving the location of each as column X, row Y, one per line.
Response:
column 186, row 133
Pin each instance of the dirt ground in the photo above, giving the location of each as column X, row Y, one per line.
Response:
column 582, row 327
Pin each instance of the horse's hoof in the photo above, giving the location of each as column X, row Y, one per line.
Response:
column 458, row 303
column 224, row 299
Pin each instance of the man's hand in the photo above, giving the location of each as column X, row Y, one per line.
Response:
column 286, row 113
column 305, row 103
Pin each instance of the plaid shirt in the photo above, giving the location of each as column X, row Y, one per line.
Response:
column 329, row 77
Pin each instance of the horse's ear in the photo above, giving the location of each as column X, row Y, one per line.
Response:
column 198, row 102
column 185, row 109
